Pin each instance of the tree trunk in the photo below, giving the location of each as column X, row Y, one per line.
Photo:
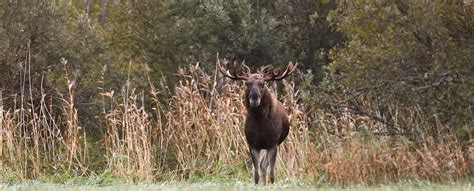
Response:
column 103, row 12
column 87, row 6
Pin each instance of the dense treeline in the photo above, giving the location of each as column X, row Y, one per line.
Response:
column 406, row 67
column 104, row 36
column 416, row 55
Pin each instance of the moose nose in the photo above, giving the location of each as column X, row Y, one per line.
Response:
column 254, row 100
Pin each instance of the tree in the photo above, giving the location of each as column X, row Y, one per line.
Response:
column 411, row 54
column 263, row 32
column 34, row 37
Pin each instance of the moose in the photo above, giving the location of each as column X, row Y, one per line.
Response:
column 267, row 124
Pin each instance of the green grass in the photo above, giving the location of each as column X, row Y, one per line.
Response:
column 229, row 179
column 231, row 185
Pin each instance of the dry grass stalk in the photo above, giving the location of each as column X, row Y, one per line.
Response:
column 190, row 137
column 72, row 134
column 128, row 136
column 128, row 139
column 203, row 138
column 33, row 135
column 379, row 161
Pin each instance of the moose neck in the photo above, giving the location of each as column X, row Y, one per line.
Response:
column 265, row 106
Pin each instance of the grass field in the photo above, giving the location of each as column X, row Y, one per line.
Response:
column 208, row 186
column 198, row 138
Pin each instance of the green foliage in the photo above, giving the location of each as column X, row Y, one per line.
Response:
column 169, row 35
column 153, row 37
column 411, row 53
column 33, row 39
column 105, row 178
column 8, row 176
column 407, row 65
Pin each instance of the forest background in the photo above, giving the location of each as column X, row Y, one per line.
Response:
column 129, row 89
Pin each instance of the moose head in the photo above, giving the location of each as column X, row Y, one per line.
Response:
column 255, row 82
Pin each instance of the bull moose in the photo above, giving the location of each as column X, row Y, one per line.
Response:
column 267, row 124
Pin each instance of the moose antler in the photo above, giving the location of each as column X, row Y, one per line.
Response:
column 233, row 75
column 246, row 71
column 277, row 75
column 265, row 69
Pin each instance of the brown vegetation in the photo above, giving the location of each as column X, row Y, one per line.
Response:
column 189, row 137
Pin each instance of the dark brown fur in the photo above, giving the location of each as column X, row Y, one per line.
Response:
column 267, row 124
column 266, row 127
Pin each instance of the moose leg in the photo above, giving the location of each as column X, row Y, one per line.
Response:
column 271, row 156
column 255, row 157
column 264, row 166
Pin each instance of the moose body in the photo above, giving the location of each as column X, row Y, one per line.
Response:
column 266, row 127
column 267, row 124
column 266, row 130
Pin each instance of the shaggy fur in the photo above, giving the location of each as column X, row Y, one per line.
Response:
column 266, row 127
column 267, row 124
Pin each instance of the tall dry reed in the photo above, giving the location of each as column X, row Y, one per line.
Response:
column 35, row 139
column 198, row 132
column 128, row 138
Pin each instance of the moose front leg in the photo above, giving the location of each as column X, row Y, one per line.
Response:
column 271, row 156
column 255, row 157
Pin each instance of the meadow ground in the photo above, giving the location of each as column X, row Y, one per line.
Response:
column 208, row 186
